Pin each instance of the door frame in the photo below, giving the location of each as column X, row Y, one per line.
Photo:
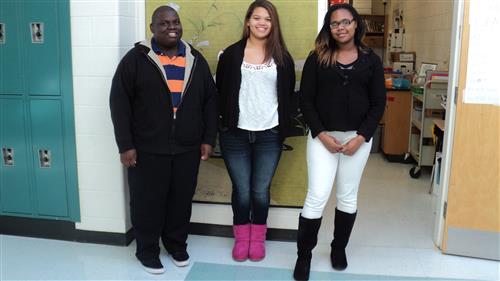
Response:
column 451, row 107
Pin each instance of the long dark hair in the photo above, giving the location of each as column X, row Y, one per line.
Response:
column 275, row 45
column 326, row 47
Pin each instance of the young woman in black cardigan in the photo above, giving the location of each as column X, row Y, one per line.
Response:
column 342, row 97
column 255, row 79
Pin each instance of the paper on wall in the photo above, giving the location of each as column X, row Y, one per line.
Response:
column 482, row 68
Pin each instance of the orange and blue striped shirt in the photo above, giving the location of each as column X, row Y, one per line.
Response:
column 174, row 68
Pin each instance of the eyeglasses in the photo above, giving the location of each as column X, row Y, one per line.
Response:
column 342, row 23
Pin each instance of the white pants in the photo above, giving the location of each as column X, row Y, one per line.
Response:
column 323, row 166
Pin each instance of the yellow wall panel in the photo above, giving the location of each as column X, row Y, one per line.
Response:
column 215, row 24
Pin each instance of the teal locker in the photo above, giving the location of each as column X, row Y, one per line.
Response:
column 48, row 158
column 15, row 191
column 11, row 68
column 40, row 36
column 36, row 110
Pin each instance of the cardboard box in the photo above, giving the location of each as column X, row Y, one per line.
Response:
column 403, row 67
column 403, row 56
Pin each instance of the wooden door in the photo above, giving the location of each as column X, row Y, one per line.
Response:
column 472, row 222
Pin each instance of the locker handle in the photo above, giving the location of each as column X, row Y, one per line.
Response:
column 45, row 158
column 8, row 156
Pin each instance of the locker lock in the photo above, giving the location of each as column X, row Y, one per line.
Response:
column 37, row 32
column 44, row 157
column 8, row 156
column 2, row 33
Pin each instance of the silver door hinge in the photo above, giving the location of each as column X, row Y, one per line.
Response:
column 456, row 95
column 445, row 207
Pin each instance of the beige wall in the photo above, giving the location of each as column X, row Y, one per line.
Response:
column 378, row 7
column 364, row 7
column 428, row 29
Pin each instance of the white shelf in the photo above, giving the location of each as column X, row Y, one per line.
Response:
column 428, row 104
column 417, row 124
column 419, row 97
column 415, row 155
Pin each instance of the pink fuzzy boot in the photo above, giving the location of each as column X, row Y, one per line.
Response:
column 241, row 241
column 257, row 250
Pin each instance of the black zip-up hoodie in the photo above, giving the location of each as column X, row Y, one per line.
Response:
column 141, row 104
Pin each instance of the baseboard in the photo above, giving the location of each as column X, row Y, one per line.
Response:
column 473, row 243
column 396, row 158
column 220, row 230
column 65, row 230
column 60, row 230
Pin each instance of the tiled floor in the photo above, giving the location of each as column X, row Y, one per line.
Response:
column 214, row 271
column 392, row 237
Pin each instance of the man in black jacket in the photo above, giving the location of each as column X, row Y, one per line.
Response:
column 163, row 107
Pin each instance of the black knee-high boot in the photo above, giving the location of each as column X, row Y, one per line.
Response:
column 341, row 233
column 307, row 238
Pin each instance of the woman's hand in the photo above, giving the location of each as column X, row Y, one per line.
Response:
column 353, row 145
column 330, row 143
column 206, row 151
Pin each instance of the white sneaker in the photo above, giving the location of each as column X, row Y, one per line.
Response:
column 153, row 267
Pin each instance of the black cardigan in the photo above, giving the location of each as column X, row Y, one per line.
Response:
column 228, row 81
column 331, row 101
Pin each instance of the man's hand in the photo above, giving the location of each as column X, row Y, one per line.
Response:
column 352, row 146
column 128, row 158
column 206, row 151
column 330, row 143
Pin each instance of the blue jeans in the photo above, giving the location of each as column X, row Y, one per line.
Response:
column 251, row 159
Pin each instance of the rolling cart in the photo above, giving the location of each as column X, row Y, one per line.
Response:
column 425, row 107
